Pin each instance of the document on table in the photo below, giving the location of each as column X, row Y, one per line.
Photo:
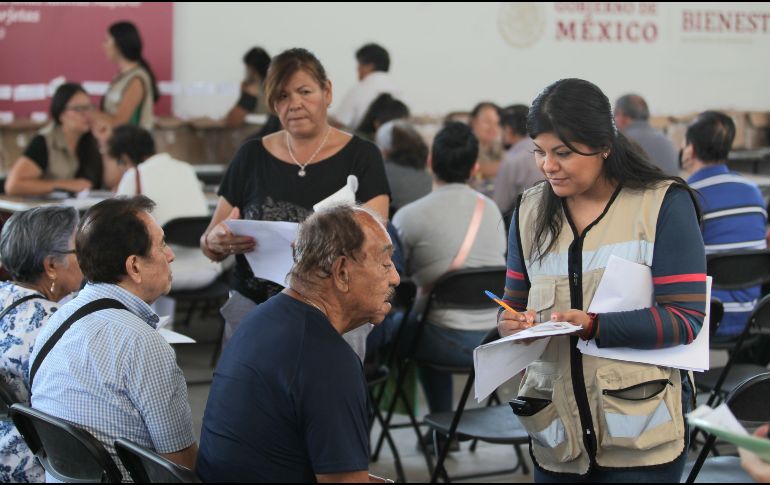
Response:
column 627, row 286
column 498, row 361
column 346, row 195
column 721, row 422
column 272, row 259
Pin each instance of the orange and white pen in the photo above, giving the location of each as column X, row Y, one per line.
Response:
column 502, row 304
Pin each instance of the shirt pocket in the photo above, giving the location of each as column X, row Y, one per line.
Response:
column 640, row 409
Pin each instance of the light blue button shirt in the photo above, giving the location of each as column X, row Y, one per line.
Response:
column 113, row 375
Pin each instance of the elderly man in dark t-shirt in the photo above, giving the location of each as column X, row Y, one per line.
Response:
column 289, row 402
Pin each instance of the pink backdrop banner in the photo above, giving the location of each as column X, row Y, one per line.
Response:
column 40, row 42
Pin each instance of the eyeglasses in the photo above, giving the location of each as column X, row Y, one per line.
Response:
column 81, row 108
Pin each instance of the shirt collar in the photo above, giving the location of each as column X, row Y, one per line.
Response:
column 134, row 304
column 708, row 171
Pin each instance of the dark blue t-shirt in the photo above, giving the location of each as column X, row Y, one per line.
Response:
column 288, row 401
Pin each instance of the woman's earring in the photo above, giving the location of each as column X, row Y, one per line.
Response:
column 605, row 155
column 53, row 284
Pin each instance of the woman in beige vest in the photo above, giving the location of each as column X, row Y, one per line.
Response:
column 589, row 418
column 133, row 92
column 64, row 155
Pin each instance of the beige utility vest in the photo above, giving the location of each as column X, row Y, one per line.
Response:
column 143, row 115
column 605, row 413
column 62, row 165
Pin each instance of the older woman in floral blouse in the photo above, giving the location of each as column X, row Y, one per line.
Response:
column 36, row 248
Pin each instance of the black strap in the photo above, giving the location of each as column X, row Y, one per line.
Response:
column 87, row 309
column 19, row 302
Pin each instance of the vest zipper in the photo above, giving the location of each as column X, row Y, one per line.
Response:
column 576, row 357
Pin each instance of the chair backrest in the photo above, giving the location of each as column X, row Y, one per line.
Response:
column 465, row 288
column 733, row 270
column 67, row 453
column 186, row 231
column 747, row 403
column 146, row 466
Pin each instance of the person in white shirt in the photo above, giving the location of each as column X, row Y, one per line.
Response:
column 374, row 80
column 174, row 187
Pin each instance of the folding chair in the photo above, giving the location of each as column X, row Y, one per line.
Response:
column 719, row 381
column 146, row 466
column 735, row 270
column 461, row 289
column 377, row 378
column 491, row 424
column 186, row 232
column 748, row 403
column 67, row 453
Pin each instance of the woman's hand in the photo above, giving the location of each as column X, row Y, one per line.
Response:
column 511, row 323
column 754, row 466
column 222, row 241
column 575, row 317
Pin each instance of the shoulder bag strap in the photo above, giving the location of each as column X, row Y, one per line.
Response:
column 87, row 309
column 18, row 302
column 470, row 238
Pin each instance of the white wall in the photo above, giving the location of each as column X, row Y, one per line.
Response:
column 449, row 56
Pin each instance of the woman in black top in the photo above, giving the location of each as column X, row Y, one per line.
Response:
column 64, row 155
column 281, row 176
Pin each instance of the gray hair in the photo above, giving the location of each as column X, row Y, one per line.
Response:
column 633, row 106
column 325, row 236
column 31, row 236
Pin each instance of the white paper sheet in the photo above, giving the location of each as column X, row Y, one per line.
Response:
column 174, row 338
column 346, row 195
column 272, row 259
column 545, row 329
column 628, row 286
column 496, row 362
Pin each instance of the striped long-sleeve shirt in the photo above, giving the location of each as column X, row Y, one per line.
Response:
column 679, row 279
column 734, row 218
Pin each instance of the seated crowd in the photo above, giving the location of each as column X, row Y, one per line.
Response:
column 289, row 398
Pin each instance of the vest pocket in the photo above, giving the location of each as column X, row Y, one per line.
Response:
column 542, row 296
column 552, row 440
column 639, row 411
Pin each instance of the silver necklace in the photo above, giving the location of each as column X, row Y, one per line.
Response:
column 302, row 166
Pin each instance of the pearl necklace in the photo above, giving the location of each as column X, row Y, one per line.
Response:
column 302, row 166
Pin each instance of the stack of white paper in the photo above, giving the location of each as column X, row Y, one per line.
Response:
column 628, row 286
column 498, row 361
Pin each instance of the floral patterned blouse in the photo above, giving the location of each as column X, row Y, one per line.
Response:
column 18, row 331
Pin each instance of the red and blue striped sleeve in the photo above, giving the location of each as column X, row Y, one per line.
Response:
column 679, row 280
column 516, row 281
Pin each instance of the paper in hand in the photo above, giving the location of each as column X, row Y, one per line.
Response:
column 272, row 259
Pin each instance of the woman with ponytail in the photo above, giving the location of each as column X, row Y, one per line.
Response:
column 134, row 91
column 592, row 419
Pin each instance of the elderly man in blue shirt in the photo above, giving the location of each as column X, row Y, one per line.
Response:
column 289, row 403
column 110, row 372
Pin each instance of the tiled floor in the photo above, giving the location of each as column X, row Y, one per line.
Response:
column 194, row 359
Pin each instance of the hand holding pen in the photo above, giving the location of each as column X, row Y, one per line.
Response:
column 510, row 321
